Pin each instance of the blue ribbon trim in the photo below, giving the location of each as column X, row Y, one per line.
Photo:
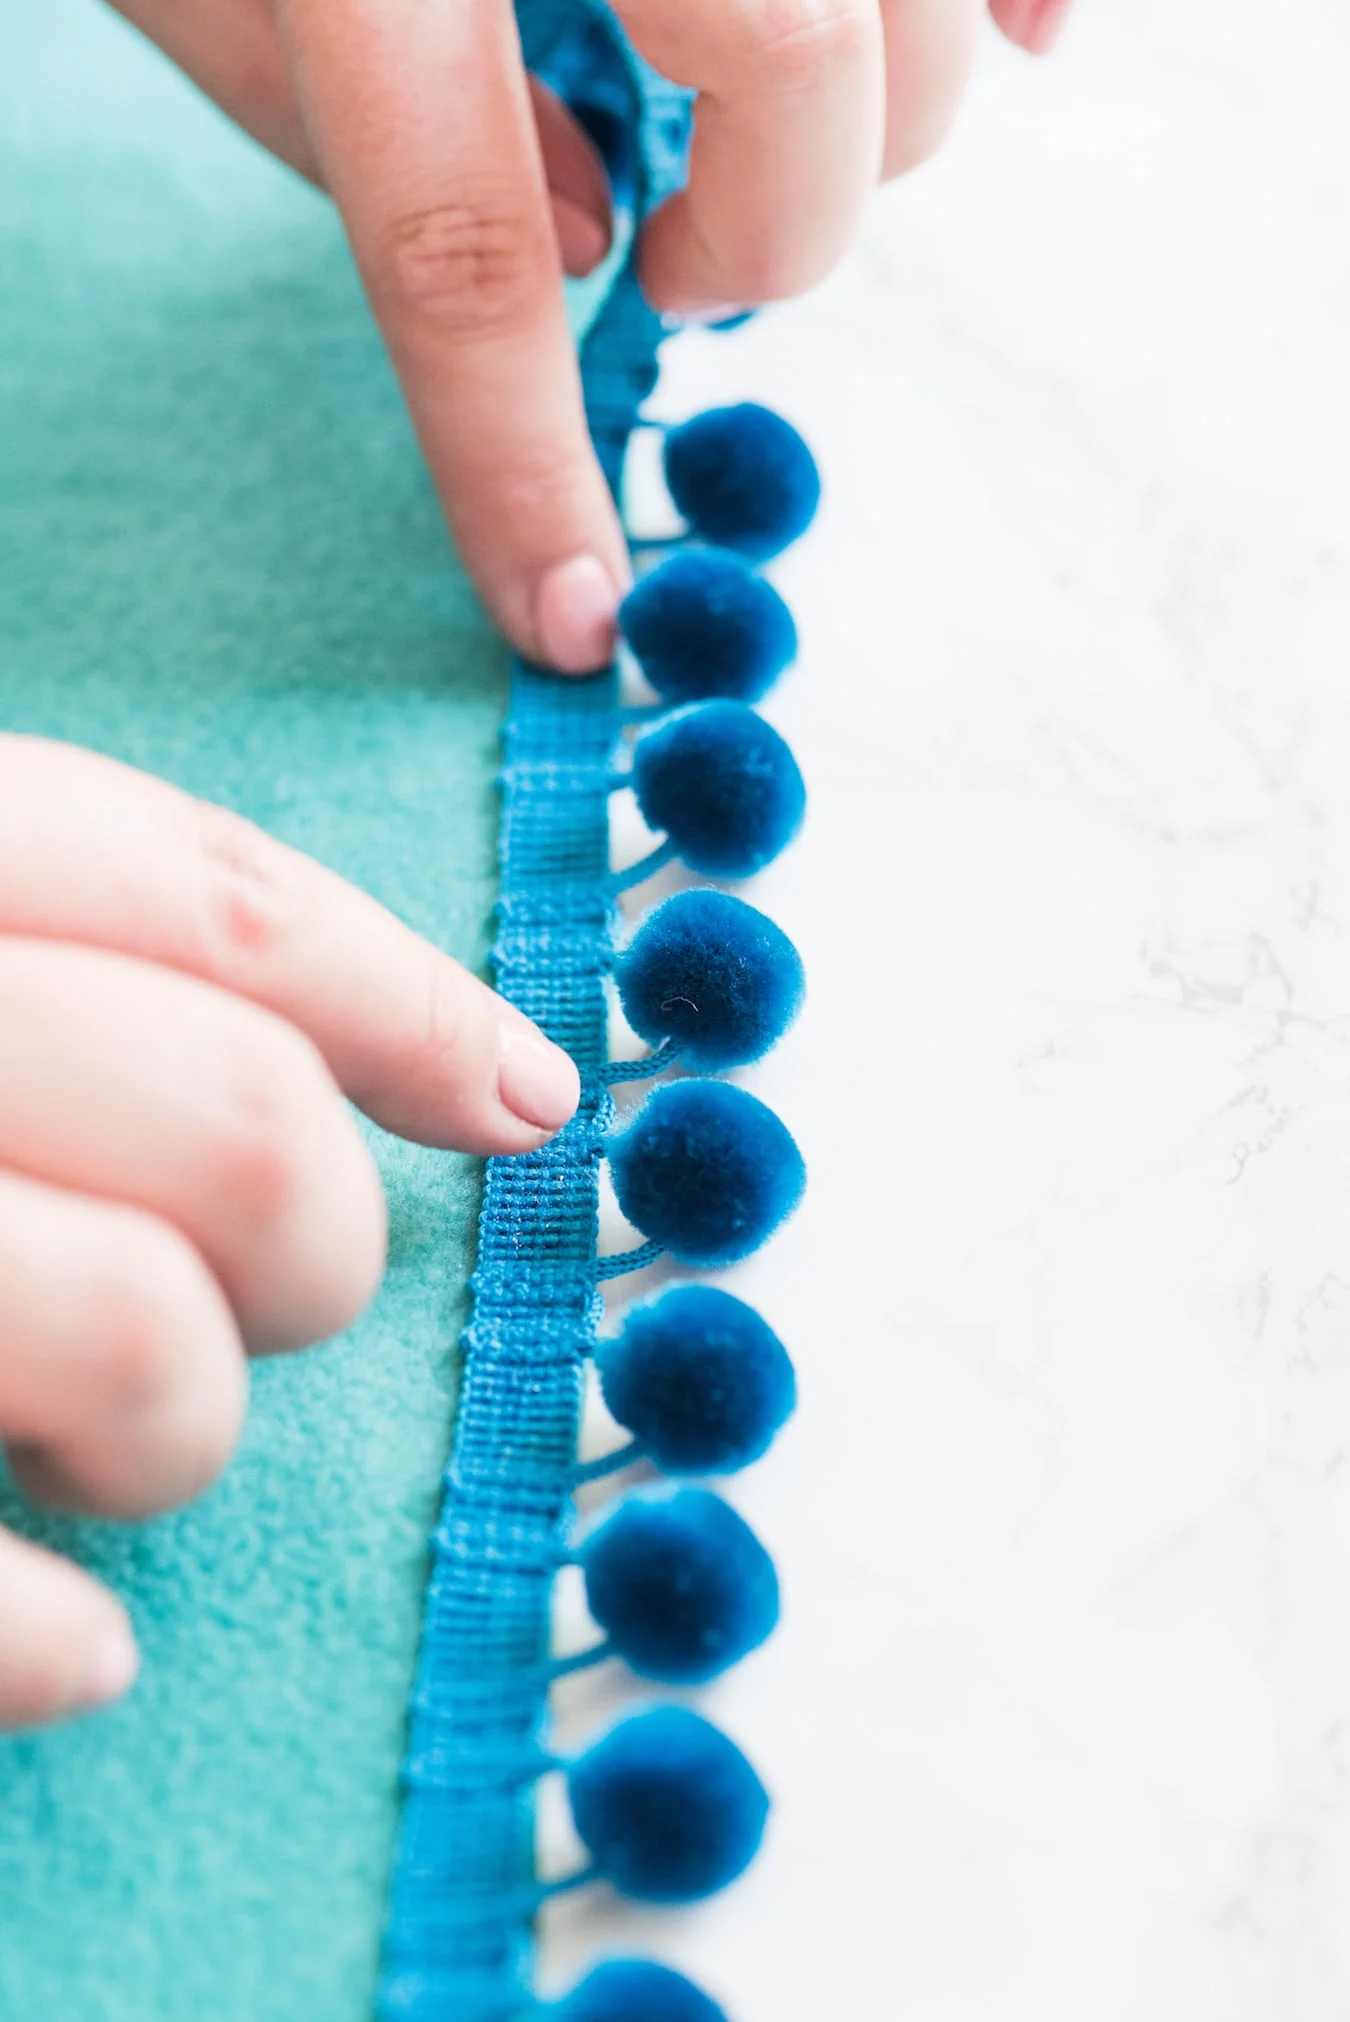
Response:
column 458, row 1938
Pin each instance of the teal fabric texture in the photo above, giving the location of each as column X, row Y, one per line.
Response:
column 221, row 560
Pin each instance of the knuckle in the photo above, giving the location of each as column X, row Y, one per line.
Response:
column 155, row 1368
column 252, row 892
column 199, row 1457
column 354, row 1286
column 40, row 1473
column 260, row 1128
column 133, row 1329
column 473, row 266
column 38, row 1687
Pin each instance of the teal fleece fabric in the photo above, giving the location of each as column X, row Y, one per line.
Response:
column 220, row 560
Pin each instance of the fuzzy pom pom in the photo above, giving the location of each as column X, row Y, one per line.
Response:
column 635, row 1990
column 707, row 1171
column 712, row 975
column 699, row 1379
column 669, row 1808
column 722, row 785
column 705, row 624
column 680, row 1584
column 743, row 478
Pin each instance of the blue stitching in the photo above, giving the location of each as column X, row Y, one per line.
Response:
column 457, row 1940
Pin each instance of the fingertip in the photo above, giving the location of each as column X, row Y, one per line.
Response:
column 659, row 267
column 576, row 615
column 1047, row 28
column 472, row 1073
column 342, row 1279
column 1034, row 25
column 114, row 1662
column 68, row 1646
column 583, row 240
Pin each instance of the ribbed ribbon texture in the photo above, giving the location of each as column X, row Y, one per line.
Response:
column 458, row 1938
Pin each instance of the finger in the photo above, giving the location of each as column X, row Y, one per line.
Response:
column 423, row 125
column 787, row 143
column 233, row 51
column 96, row 853
column 66, row 1645
column 577, row 183
column 132, row 1083
column 930, row 52
column 1034, row 24
column 122, row 1384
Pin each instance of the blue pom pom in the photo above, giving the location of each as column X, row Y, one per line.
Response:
column 722, row 785
column 702, row 1383
column 743, row 478
column 669, row 1808
column 680, row 1584
column 714, row 976
column 634, row 1990
column 705, row 624
column 707, row 1171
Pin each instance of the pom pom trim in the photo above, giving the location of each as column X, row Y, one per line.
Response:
column 455, row 1938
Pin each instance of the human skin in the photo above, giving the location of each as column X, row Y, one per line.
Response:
column 181, row 1184
column 466, row 190
column 184, row 1005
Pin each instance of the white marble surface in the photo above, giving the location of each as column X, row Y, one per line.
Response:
column 1058, row 1721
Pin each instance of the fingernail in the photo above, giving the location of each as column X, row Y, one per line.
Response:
column 576, row 614
column 113, row 1664
column 536, row 1080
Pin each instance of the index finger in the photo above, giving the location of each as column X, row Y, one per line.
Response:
column 422, row 122
column 98, row 854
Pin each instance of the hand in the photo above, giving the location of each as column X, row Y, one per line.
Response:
column 183, row 1005
column 466, row 188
